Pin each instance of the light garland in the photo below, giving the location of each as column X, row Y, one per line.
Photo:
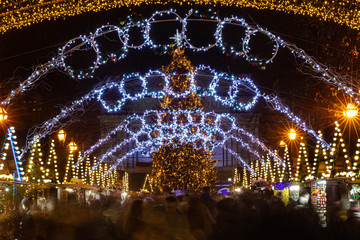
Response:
column 182, row 40
column 18, row 14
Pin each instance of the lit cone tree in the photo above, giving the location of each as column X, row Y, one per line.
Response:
column 320, row 156
column 181, row 166
column 52, row 173
column 302, row 165
column 245, row 182
column 35, row 169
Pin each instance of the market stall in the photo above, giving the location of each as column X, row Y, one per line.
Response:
column 319, row 199
column 283, row 189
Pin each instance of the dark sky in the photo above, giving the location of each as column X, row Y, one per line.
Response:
column 22, row 49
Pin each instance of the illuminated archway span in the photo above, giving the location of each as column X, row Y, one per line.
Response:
column 230, row 100
column 22, row 13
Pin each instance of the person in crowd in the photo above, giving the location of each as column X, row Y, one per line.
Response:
column 200, row 219
column 177, row 222
column 133, row 223
column 207, row 200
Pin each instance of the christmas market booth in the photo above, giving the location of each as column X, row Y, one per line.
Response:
column 77, row 192
column 283, row 189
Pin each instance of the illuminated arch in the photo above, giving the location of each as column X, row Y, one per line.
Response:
column 19, row 13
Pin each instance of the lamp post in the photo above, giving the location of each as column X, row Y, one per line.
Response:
column 292, row 134
column 351, row 111
column 61, row 136
column 72, row 146
column 3, row 114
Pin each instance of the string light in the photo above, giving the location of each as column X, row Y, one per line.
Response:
column 19, row 14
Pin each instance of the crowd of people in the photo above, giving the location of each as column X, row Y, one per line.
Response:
column 189, row 217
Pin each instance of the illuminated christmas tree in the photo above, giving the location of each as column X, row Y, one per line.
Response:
column 302, row 168
column 35, row 170
column 70, row 170
column 236, row 177
column 51, row 171
column 181, row 166
column 147, row 187
column 10, row 166
column 245, row 182
column 320, row 157
column 125, row 182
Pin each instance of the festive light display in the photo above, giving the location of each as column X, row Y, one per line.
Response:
column 184, row 167
column 236, row 176
column 319, row 155
column 10, row 143
column 147, row 187
column 232, row 100
column 70, row 171
column 288, row 170
column 51, row 171
column 35, row 169
column 18, row 14
column 302, row 164
column 184, row 162
column 356, row 160
column 125, row 182
column 181, row 39
column 245, row 182
column 252, row 173
column 90, row 43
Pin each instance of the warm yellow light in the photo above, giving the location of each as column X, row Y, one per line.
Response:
column 351, row 111
column 61, row 135
column 282, row 144
column 72, row 147
column 21, row 13
column 292, row 134
column 3, row 114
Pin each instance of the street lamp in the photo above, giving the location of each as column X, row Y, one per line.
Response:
column 61, row 136
column 72, row 147
column 282, row 143
column 351, row 111
column 292, row 134
column 3, row 114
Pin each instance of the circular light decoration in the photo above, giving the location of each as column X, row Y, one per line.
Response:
column 81, row 44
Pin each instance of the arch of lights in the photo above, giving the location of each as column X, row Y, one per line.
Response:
column 21, row 13
column 150, row 136
column 181, row 40
column 89, row 43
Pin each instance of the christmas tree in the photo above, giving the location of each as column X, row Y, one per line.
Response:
column 10, row 166
column 51, row 172
column 181, row 166
column 35, row 170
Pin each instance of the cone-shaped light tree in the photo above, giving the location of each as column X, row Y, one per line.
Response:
column 181, row 166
